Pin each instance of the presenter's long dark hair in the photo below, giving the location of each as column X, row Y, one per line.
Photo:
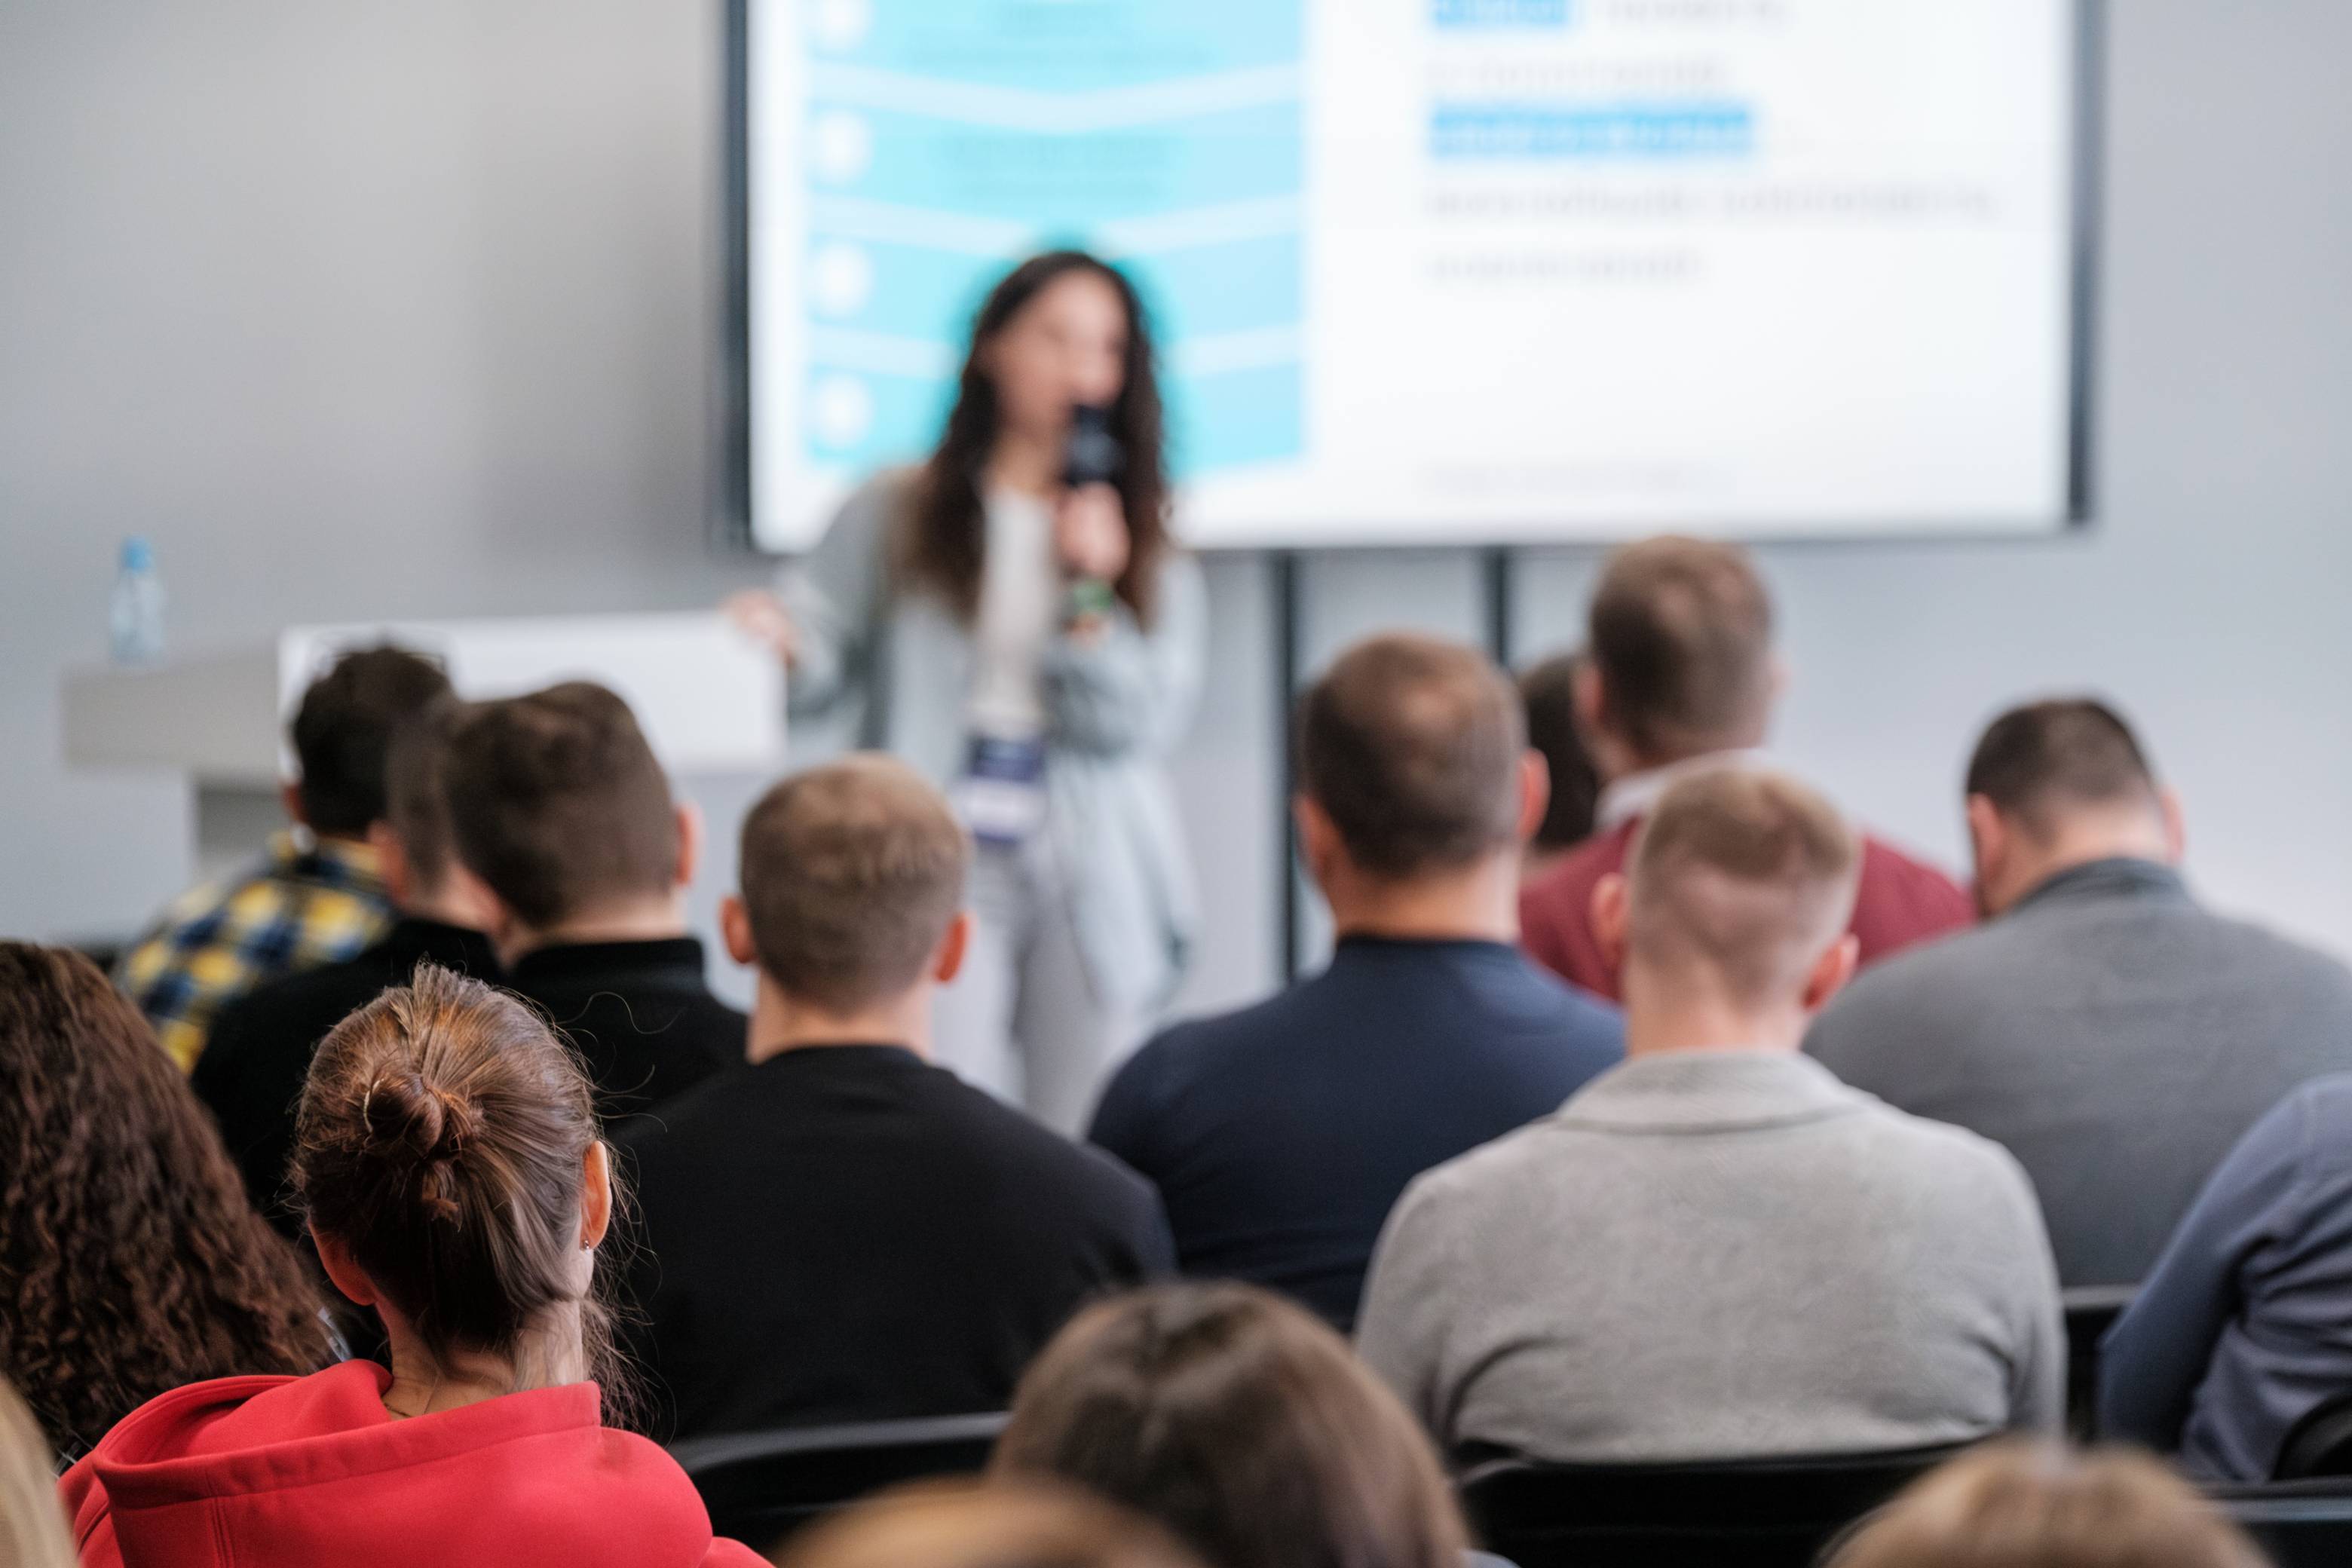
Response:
column 945, row 534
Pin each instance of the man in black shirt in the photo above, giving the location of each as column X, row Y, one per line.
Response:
column 1281, row 1135
column 561, row 811
column 251, row 1073
column 845, row 1232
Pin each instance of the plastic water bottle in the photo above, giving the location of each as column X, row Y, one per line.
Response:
column 135, row 619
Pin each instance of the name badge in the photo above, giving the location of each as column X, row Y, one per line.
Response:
column 1002, row 796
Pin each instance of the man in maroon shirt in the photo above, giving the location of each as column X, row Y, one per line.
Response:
column 1681, row 676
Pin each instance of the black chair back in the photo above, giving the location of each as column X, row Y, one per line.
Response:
column 1744, row 1513
column 762, row 1485
column 2320, row 1445
column 2091, row 1311
column 2300, row 1524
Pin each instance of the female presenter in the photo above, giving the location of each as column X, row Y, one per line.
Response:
column 1020, row 626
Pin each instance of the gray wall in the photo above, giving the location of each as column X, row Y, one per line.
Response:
column 366, row 309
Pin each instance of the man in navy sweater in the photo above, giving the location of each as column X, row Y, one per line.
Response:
column 1281, row 1135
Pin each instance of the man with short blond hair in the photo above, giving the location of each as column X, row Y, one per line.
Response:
column 1717, row 1250
column 1680, row 675
column 844, row 1231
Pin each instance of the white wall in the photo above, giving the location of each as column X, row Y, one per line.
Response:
column 375, row 308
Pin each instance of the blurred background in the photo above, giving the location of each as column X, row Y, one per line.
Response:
column 366, row 312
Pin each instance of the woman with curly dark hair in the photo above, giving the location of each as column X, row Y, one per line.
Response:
column 130, row 1261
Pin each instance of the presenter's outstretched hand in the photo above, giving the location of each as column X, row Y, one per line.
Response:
column 759, row 616
column 1090, row 533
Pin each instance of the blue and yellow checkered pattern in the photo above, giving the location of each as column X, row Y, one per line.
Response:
column 300, row 908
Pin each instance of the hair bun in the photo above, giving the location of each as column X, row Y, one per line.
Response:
column 426, row 1123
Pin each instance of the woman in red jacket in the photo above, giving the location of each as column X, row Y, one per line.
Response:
column 447, row 1155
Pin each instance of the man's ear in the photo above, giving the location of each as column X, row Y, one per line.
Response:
column 595, row 1196
column 392, row 863
column 946, row 959
column 289, row 795
column 343, row 1269
column 1830, row 972
column 1613, row 912
column 1535, row 793
column 1320, row 849
column 735, row 928
column 2176, row 825
column 689, row 843
column 1989, row 846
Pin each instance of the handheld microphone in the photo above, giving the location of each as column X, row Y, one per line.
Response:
column 1094, row 456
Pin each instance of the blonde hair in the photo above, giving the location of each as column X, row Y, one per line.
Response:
column 1743, row 875
column 1025, row 1524
column 31, row 1529
column 2040, row 1505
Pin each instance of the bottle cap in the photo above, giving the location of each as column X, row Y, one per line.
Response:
column 138, row 555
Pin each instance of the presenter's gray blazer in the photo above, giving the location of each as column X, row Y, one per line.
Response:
column 1117, row 704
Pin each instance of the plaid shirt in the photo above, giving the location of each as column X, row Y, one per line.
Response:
column 298, row 909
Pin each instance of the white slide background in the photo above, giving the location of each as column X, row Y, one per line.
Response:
column 1842, row 306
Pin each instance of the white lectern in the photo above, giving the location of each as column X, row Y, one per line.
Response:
column 711, row 701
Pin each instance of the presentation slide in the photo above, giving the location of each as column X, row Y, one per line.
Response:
column 1445, row 271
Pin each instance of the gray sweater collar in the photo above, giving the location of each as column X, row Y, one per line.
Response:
column 1710, row 1091
column 2122, row 876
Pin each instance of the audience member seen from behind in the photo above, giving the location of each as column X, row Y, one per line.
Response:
column 1003, row 1525
column 32, row 1530
column 2036, row 1505
column 559, row 808
column 252, row 1071
column 1242, row 1425
column 1548, row 692
column 2114, row 1034
column 845, row 1232
column 130, row 1261
column 1280, row 1136
column 1717, row 1250
column 2245, row 1325
column 1681, row 676
column 318, row 897
column 448, row 1164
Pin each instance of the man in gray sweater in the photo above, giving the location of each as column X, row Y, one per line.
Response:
column 1717, row 1250
column 2113, row 1034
